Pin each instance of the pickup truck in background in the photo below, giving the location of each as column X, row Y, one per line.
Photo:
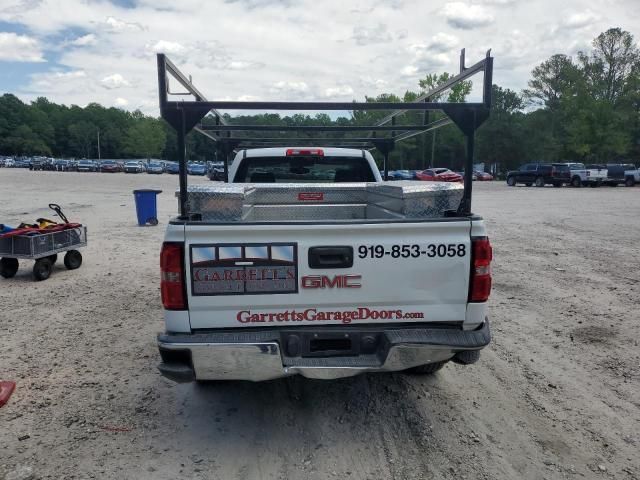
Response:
column 319, row 279
column 577, row 175
column 538, row 174
column 622, row 173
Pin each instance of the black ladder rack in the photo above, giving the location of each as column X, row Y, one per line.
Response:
column 185, row 116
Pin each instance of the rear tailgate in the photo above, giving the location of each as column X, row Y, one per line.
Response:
column 262, row 275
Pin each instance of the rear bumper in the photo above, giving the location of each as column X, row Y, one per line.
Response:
column 257, row 355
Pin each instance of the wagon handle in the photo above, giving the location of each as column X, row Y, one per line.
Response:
column 56, row 208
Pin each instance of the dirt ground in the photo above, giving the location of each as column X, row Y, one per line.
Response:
column 555, row 396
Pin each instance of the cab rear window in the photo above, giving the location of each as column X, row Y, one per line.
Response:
column 300, row 169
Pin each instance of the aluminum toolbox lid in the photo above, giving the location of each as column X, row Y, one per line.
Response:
column 413, row 188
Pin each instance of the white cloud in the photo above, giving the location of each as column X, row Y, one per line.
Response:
column 496, row 2
column 580, row 20
column 443, row 42
column 464, row 16
column 164, row 46
column 114, row 81
column 431, row 56
column 120, row 102
column 339, row 91
column 294, row 87
column 371, row 35
column 19, row 48
column 84, row 41
column 51, row 80
column 116, row 25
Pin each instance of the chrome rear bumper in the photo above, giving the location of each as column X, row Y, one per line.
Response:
column 258, row 356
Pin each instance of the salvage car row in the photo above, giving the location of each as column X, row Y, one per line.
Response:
column 105, row 166
column 574, row 174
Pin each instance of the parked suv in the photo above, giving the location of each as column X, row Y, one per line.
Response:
column 540, row 174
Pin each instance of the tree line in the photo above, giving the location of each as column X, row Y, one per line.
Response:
column 584, row 109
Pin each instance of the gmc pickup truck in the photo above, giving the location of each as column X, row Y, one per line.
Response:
column 292, row 271
column 306, row 262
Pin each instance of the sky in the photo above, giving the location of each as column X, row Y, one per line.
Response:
column 82, row 51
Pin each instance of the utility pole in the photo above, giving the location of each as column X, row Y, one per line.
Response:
column 99, row 158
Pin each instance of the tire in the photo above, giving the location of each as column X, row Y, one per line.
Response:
column 42, row 269
column 511, row 181
column 53, row 258
column 576, row 182
column 8, row 267
column 72, row 259
column 539, row 182
column 528, row 184
column 153, row 221
column 428, row 369
column 629, row 182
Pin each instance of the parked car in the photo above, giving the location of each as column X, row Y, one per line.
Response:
column 133, row 166
column 61, row 165
column 87, row 166
column 196, row 169
column 21, row 163
column 483, row 176
column 530, row 173
column 109, row 166
column 155, row 167
column 172, row 167
column 404, row 175
column 216, row 172
column 438, row 175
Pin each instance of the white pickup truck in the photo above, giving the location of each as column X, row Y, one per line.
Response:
column 307, row 263
column 579, row 176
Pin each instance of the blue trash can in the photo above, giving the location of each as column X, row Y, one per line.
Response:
column 146, row 206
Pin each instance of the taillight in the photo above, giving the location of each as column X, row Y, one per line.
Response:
column 318, row 152
column 172, row 287
column 481, row 256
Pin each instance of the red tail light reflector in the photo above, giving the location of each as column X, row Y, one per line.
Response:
column 292, row 152
column 172, row 286
column 480, row 282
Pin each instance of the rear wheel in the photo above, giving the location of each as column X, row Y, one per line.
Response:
column 629, row 182
column 8, row 267
column 539, row 182
column 72, row 259
column 511, row 181
column 428, row 369
column 576, row 182
column 42, row 268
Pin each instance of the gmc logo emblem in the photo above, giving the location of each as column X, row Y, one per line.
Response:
column 338, row 281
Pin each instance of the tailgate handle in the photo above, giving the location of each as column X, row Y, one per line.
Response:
column 331, row 257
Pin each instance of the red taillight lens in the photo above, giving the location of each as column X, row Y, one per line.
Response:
column 172, row 276
column 481, row 256
column 318, row 152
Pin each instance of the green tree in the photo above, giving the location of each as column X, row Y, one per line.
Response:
column 146, row 138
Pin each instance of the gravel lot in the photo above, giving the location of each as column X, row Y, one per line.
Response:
column 555, row 396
